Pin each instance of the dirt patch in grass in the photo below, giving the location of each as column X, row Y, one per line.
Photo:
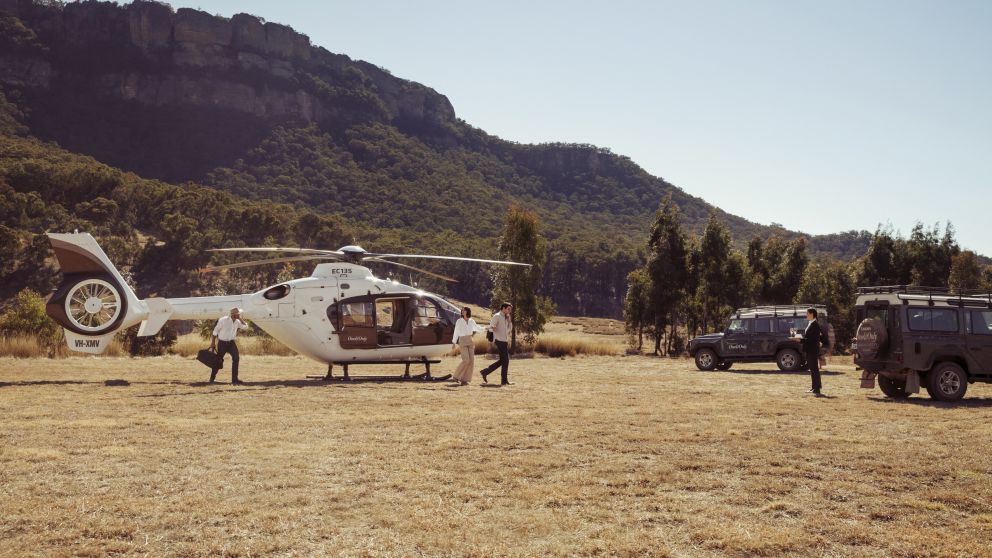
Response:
column 594, row 456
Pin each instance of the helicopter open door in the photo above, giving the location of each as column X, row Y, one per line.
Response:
column 429, row 324
column 393, row 320
column 355, row 319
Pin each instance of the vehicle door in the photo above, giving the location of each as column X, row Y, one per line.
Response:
column 761, row 342
column 356, row 323
column 978, row 324
column 931, row 329
column 736, row 340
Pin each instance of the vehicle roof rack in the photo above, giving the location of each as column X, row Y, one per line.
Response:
column 917, row 289
column 779, row 310
column 943, row 294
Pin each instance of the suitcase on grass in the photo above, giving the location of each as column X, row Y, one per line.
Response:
column 210, row 359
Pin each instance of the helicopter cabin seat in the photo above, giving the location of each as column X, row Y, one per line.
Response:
column 393, row 322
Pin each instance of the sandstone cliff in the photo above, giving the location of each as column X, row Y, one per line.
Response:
column 148, row 53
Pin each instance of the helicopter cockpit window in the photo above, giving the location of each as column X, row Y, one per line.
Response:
column 357, row 314
column 277, row 292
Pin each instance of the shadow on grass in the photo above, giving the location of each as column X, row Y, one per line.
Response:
column 924, row 401
column 774, row 372
column 46, row 383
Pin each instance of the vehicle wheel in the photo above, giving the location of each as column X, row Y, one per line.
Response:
column 947, row 382
column 724, row 365
column 896, row 389
column 706, row 359
column 788, row 360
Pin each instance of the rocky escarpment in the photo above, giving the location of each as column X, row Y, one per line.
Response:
column 147, row 53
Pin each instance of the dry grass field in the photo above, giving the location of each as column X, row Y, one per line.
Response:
column 588, row 456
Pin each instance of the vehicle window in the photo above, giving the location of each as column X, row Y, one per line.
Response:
column 946, row 320
column 763, row 325
column 878, row 313
column 933, row 319
column 357, row 314
column 737, row 326
column 981, row 322
column 785, row 324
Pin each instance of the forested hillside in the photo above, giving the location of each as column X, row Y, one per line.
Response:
column 159, row 97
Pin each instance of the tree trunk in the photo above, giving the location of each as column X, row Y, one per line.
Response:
column 513, row 332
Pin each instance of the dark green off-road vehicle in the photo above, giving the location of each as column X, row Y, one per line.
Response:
column 913, row 336
column 761, row 334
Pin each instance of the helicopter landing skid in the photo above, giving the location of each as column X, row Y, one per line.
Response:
column 406, row 377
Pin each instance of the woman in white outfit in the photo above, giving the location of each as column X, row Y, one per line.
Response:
column 465, row 328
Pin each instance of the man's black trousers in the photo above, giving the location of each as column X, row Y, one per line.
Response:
column 230, row 348
column 813, row 361
column 504, row 360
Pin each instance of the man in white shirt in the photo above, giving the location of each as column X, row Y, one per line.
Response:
column 222, row 341
column 501, row 325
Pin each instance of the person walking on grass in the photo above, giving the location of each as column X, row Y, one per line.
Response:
column 222, row 341
column 465, row 328
column 811, row 347
column 501, row 325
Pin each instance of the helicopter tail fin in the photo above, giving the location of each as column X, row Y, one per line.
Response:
column 93, row 302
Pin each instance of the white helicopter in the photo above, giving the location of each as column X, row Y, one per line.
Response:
column 341, row 314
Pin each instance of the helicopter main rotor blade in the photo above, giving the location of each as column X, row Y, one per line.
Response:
column 424, row 271
column 452, row 258
column 278, row 249
column 266, row 261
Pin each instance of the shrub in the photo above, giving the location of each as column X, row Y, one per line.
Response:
column 153, row 345
column 26, row 317
column 555, row 347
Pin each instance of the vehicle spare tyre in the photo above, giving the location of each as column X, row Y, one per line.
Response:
column 872, row 338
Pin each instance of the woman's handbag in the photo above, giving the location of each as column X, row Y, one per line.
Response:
column 489, row 336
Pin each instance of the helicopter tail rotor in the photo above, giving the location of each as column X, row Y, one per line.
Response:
column 93, row 302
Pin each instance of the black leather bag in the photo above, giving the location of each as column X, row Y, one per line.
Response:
column 489, row 336
column 210, row 359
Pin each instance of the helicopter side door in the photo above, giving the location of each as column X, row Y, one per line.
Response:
column 356, row 323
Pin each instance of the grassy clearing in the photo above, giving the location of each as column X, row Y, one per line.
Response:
column 606, row 456
column 594, row 326
column 553, row 346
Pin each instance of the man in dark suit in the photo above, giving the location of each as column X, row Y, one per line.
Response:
column 811, row 347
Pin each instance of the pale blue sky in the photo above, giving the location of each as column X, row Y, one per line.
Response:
column 866, row 112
